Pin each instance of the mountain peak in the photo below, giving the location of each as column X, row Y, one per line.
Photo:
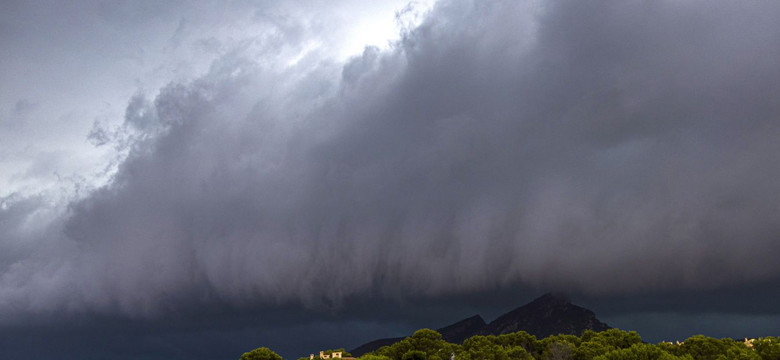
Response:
column 549, row 314
column 551, row 298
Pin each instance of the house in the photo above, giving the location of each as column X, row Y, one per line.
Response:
column 333, row 355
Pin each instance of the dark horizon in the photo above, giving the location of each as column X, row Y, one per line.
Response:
column 296, row 333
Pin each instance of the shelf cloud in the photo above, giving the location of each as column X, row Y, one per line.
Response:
column 605, row 147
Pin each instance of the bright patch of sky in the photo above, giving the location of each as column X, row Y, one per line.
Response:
column 56, row 90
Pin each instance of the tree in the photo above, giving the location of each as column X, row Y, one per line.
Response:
column 701, row 347
column 640, row 352
column 739, row 353
column 262, row 353
column 618, row 338
column 481, row 347
column 670, row 348
column 559, row 351
column 597, row 343
column 415, row 355
column 590, row 349
column 428, row 341
column 768, row 348
column 520, row 338
column 560, row 338
column 518, row 353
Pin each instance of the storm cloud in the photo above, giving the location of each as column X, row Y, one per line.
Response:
column 607, row 148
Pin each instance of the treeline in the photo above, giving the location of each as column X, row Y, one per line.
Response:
column 611, row 344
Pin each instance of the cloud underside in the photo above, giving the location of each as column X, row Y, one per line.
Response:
column 608, row 148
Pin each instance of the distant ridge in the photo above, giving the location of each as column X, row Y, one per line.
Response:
column 454, row 333
column 462, row 330
column 373, row 345
column 549, row 314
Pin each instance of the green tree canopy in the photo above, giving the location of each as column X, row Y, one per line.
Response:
column 520, row 338
column 262, row 353
column 414, row 355
column 426, row 340
column 612, row 344
column 701, row 347
column 768, row 348
column 482, row 348
column 640, row 352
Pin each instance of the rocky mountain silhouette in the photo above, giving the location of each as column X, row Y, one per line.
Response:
column 462, row 330
column 550, row 314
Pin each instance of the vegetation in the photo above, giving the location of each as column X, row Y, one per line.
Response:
column 262, row 353
column 612, row 344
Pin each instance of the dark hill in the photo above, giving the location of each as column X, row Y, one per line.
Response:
column 547, row 315
column 454, row 333
column 462, row 330
column 373, row 345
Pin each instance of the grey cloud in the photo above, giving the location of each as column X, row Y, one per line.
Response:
column 24, row 106
column 609, row 148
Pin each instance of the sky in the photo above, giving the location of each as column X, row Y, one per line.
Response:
column 195, row 179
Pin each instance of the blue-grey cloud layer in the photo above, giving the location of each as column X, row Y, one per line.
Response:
column 608, row 148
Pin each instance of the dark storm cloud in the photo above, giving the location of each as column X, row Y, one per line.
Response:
column 609, row 148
